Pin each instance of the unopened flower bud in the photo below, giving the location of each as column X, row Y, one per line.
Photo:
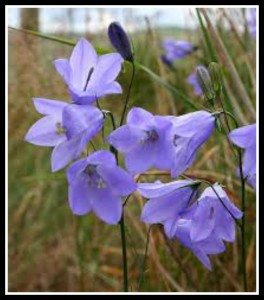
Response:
column 120, row 41
column 216, row 77
column 205, row 83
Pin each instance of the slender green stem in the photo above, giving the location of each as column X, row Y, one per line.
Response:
column 128, row 94
column 225, row 115
column 141, row 278
column 123, row 238
column 243, row 224
column 122, row 221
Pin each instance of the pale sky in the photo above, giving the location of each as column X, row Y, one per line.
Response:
column 94, row 19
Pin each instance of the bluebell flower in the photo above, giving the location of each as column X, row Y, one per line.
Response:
column 192, row 79
column 212, row 216
column 201, row 249
column 167, row 201
column 176, row 49
column 245, row 138
column 96, row 184
column 188, row 133
column 142, row 141
column 66, row 127
column 88, row 76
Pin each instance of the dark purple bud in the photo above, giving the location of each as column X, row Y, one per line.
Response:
column 120, row 41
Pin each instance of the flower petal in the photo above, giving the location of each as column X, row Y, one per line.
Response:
column 82, row 60
column 64, row 69
column 183, row 236
column 75, row 169
column 50, row 107
column 80, row 196
column 108, row 89
column 237, row 213
column 244, row 136
column 141, row 118
column 126, row 138
column 43, row 133
column 158, row 210
column 82, row 97
column 107, row 69
column 117, row 179
column 141, row 158
column 159, row 189
column 63, row 153
column 225, row 226
column 77, row 118
column 107, row 206
column 103, row 157
column 203, row 220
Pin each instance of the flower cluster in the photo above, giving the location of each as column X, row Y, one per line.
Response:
column 202, row 226
column 201, row 222
column 96, row 183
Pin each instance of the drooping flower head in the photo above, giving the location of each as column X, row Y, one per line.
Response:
column 245, row 138
column 201, row 249
column 176, row 49
column 66, row 127
column 89, row 76
column 142, row 141
column 213, row 215
column 188, row 134
column 167, row 201
column 251, row 22
column 120, row 41
column 96, row 184
column 192, row 79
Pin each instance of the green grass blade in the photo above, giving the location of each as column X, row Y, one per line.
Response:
column 168, row 86
column 56, row 39
column 207, row 40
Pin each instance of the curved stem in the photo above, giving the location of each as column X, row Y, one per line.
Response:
column 128, row 94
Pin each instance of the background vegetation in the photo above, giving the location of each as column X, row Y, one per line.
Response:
column 50, row 249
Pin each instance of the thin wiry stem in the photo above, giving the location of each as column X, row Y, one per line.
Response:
column 123, row 239
column 243, row 242
column 141, row 278
column 243, row 223
column 128, row 94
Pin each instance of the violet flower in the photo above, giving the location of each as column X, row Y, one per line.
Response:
column 201, row 249
column 96, row 184
column 167, row 201
column 176, row 49
column 245, row 138
column 88, row 76
column 192, row 79
column 142, row 141
column 212, row 216
column 66, row 127
column 188, row 134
